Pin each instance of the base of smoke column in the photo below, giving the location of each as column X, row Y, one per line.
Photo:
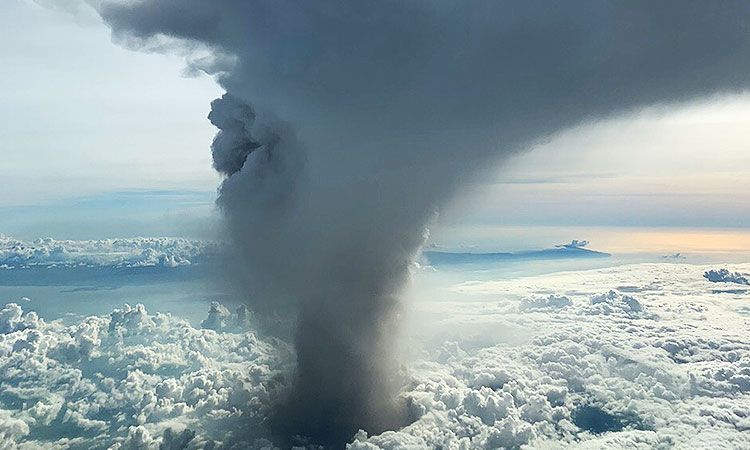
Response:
column 298, row 422
column 347, row 377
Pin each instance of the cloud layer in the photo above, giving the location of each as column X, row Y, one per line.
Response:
column 133, row 380
column 136, row 252
column 640, row 356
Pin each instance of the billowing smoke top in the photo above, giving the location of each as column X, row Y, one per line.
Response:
column 235, row 142
column 390, row 107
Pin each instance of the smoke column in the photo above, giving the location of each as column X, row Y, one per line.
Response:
column 347, row 124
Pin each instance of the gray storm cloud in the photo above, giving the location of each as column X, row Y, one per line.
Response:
column 381, row 111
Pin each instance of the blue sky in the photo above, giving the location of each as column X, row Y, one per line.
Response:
column 101, row 141
column 115, row 214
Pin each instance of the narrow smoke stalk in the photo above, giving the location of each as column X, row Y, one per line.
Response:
column 345, row 324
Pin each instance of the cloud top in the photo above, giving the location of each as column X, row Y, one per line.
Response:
column 725, row 276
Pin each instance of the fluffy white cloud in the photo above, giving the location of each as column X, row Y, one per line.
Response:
column 549, row 302
column 220, row 319
column 641, row 356
column 132, row 380
column 136, row 252
column 725, row 276
column 638, row 356
column 12, row 319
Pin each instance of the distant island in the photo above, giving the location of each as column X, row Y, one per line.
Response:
column 572, row 250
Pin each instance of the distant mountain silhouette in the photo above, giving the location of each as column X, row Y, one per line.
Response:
column 562, row 252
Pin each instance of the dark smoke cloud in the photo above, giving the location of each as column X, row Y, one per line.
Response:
column 388, row 107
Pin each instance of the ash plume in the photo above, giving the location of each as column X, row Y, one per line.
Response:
column 386, row 109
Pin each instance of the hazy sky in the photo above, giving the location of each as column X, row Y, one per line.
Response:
column 686, row 167
column 83, row 116
column 91, row 132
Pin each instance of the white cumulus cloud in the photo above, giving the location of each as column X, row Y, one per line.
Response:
column 636, row 356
